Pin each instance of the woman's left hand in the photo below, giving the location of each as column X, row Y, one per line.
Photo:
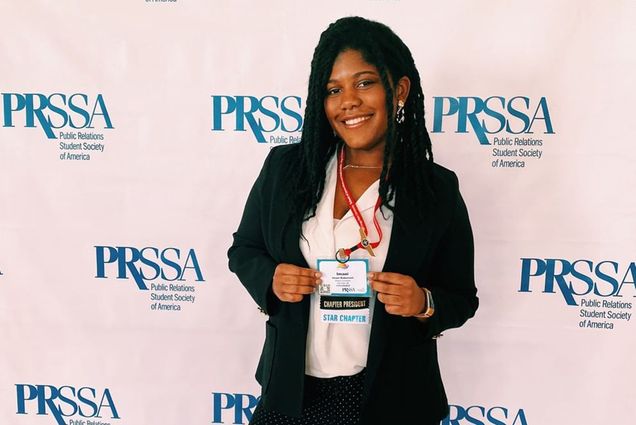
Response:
column 400, row 293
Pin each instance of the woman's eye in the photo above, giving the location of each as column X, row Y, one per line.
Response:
column 333, row 91
column 365, row 83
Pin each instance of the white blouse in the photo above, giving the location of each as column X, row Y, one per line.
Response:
column 335, row 349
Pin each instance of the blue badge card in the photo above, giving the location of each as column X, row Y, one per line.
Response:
column 344, row 292
column 344, row 279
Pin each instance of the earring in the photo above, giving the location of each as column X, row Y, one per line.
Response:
column 399, row 114
column 335, row 135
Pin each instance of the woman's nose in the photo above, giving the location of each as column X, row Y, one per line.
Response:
column 349, row 99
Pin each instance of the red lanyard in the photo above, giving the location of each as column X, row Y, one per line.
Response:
column 343, row 254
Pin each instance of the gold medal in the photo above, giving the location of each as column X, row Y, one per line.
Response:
column 365, row 242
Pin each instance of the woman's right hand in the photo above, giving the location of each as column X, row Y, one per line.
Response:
column 291, row 283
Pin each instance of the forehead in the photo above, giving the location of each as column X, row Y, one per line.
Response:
column 350, row 63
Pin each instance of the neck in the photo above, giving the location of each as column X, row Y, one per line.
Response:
column 368, row 158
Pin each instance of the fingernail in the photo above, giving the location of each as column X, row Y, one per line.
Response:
column 318, row 274
column 318, row 281
column 370, row 275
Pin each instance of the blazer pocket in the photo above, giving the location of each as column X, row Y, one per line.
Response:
column 268, row 355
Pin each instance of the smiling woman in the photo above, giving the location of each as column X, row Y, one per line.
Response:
column 355, row 107
column 357, row 245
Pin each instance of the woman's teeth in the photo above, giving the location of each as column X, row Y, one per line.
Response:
column 354, row 121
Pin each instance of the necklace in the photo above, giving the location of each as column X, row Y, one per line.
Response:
column 361, row 166
column 343, row 255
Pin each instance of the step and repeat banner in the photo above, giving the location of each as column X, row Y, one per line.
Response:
column 131, row 132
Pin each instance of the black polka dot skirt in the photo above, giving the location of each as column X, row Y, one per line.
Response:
column 327, row 401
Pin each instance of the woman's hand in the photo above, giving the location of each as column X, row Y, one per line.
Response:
column 291, row 283
column 400, row 293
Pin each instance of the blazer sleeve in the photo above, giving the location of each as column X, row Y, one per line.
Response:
column 452, row 281
column 248, row 256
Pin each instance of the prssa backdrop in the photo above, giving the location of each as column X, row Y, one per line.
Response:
column 131, row 132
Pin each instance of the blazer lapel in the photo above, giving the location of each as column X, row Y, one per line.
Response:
column 409, row 237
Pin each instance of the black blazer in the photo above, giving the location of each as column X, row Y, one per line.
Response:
column 402, row 381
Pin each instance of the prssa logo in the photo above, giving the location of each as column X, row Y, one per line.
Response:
column 163, row 270
column 66, row 401
column 480, row 415
column 270, row 119
column 235, row 408
column 518, row 115
column 578, row 278
column 56, row 111
column 147, row 264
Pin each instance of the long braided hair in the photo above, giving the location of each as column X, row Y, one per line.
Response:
column 408, row 147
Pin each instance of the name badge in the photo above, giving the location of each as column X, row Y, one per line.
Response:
column 344, row 291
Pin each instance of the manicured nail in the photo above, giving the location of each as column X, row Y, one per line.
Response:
column 318, row 281
column 318, row 274
column 370, row 275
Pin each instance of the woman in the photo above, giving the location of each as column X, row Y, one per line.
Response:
column 360, row 193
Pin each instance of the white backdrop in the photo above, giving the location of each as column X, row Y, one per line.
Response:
column 169, row 171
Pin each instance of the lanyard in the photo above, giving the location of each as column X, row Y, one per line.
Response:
column 343, row 254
